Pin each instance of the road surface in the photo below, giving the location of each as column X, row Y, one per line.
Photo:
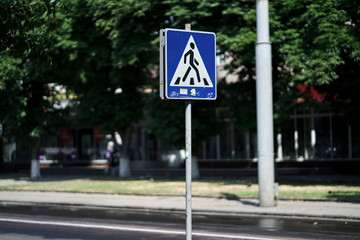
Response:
column 78, row 223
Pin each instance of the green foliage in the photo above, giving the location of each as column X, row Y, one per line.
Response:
column 168, row 120
column 321, row 32
column 92, row 48
column 113, row 50
column 313, row 43
column 25, row 50
column 234, row 25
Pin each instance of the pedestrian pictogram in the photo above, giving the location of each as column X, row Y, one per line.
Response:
column 187, row 64
column 191, row 70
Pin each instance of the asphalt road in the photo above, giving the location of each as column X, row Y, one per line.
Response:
column 41, row 222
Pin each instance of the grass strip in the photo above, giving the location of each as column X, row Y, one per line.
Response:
column 228, row 188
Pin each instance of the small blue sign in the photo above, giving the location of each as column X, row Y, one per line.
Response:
column 190, row 65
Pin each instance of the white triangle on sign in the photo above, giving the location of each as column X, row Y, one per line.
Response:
column 191, row 70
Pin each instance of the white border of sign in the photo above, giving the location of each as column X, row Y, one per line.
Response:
column 162, row 64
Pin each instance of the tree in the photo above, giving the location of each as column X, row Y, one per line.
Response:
column 113, row 58
column 233, row 23
column 168, row 120
column 97, row 49
column 313, row 43
column 26, row 47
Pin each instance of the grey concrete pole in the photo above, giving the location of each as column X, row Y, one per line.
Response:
column 264, row 107
column 188, row 164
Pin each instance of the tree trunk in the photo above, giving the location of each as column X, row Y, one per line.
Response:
column 124, row 168
column 35, row 163
column 195, row 174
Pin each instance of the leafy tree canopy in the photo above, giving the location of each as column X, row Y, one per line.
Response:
column 313, row 43
column 26, row 46
column 104, row 53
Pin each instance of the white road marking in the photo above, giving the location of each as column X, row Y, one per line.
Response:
column 131, row 229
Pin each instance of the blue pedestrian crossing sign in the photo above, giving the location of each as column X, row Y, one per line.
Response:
column 187, row 64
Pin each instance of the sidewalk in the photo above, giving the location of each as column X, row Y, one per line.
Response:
column 201, row 205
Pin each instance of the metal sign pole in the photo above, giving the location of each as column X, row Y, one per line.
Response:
column 188, row 163
column 188, row 168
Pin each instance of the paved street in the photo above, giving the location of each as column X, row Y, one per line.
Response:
column 64, row 215
column 59, row 215
column 45, row 224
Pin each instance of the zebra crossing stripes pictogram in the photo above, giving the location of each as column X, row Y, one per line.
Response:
column 191, row 70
